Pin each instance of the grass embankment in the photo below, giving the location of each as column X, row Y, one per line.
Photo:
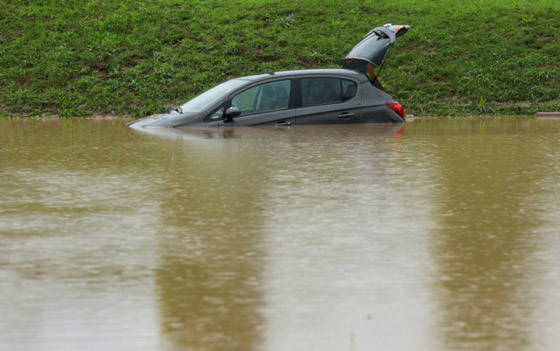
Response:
column 129, row 57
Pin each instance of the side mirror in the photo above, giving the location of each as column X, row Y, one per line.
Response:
column 231, row 112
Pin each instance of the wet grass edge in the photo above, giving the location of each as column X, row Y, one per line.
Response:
column 134, row 58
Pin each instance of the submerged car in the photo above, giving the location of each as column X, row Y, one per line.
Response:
column 350, row 94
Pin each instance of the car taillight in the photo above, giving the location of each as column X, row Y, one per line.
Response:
column 395, row 106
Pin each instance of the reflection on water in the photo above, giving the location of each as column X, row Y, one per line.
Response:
column 209, row 246
column 487, row 198
column 441, row 235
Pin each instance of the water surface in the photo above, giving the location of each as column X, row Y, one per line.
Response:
column 441, row 234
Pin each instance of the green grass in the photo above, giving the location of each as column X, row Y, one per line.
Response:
column 78, row 58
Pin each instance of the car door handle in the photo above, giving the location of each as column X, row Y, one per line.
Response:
column 345, row 115
column 283, row 123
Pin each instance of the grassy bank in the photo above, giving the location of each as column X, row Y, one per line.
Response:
column 134, row 57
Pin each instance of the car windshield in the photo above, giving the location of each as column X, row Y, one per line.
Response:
column 204, row 100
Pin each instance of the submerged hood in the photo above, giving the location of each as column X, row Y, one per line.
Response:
column 172, row 119
column 373, row 48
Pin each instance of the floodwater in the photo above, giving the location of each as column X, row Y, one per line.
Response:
column 442, row 234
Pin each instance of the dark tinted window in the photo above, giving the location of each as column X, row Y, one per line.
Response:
column 349, row 89
column 320, row 91
column 262, row 98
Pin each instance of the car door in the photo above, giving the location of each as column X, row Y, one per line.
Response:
column 328, row 100
column 268, row 103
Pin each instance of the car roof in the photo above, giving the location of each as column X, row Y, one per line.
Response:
column 307, row 72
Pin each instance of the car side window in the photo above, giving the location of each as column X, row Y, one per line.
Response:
column 216, row 115
column 321, row 91
column 349, row 89
column 263, row 98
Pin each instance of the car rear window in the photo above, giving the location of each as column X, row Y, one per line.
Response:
column 321, row 91
column 349, row 89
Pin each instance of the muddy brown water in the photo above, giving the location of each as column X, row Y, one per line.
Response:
column 441, row 234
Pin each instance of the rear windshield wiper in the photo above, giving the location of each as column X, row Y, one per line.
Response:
column 378, row 33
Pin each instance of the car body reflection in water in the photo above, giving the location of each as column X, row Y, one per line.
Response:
column 210, row 244
column 439, row 236
column 215, row 249
column 396, row 129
